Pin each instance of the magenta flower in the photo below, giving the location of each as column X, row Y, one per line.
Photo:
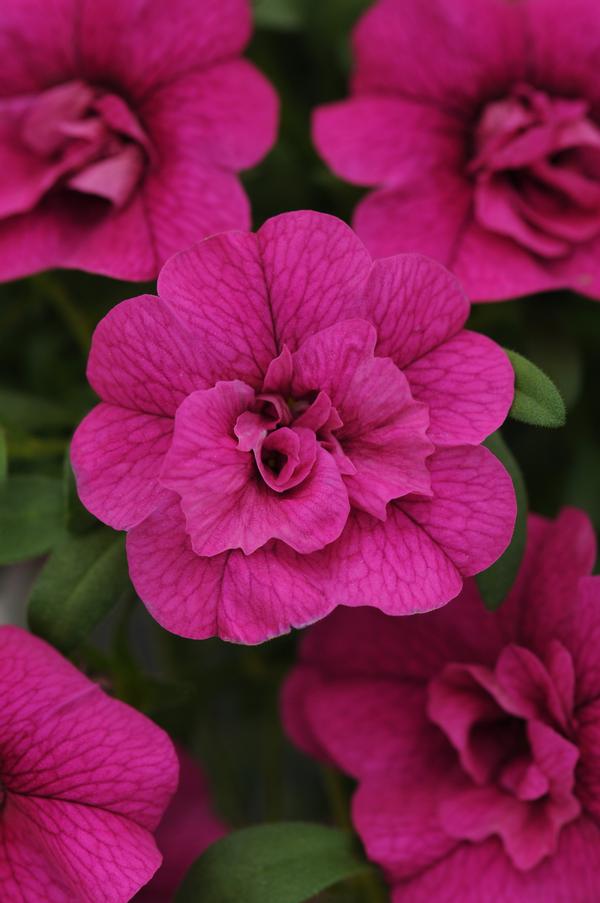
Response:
column 473, row 736
column 188, row 827
column 479, row 123
column 84, row 781
column 122, row 126
column 291, row 427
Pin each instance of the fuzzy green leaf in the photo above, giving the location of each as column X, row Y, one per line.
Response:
column 537, row 400
column 79, row 584
column 31, row 517
column 3, row 455
column 495, row 582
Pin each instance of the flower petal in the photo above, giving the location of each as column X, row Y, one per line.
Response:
column 226, row 114
column 467, row 49
column 374, row 140
column 227, row 505
column 142, row 358
column 415, row 304
column 384, row 431
column 467, row 384
column 315, row 269
column 426, row 216
column 471, row 514
column 117, row 456
column 143, row 45
column 241, row 598
column 483, row 873
column 218, row 289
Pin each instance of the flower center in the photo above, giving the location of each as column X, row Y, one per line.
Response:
column 511, row 730
column 536, row 166
column 283, row 434
column 88, row 139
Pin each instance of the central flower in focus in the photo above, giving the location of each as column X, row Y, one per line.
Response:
column 537, row 171
column 332, row 426
column 513, row 730
column 291, row 426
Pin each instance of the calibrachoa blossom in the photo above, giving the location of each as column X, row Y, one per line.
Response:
column 291, row 427
column 473, row 735
column 479, row 121
column 187, row 828
column 84, row 781
column 122, row 125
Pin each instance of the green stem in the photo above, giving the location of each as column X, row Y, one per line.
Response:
column 32, row 448
column 75, row 321
column 336, row 796
column 373, row 890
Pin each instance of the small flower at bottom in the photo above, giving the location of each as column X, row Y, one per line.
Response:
column 472, row 734
column 290, row 427
column 84, row 781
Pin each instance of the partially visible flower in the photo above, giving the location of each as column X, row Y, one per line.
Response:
column 484, row 143
column 122, row 126
column 473, row 735
column 187, row 828
column 290, row 427
column 84, row 781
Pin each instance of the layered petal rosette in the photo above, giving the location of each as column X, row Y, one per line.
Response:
column 122, row 127
column 484, row 146
column 290, row 427
column 473, row 735
column 84, row 781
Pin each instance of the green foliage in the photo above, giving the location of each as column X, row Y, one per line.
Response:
column 288, row 862
column 79, row 584
column 537, row 400
column 3, row 455
column 284, row 15
column 31, row 516
column 495, row 583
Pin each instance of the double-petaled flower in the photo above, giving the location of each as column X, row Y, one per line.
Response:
column 473, row 735
column 290, row 427
column 122, row 128
column 478, row 121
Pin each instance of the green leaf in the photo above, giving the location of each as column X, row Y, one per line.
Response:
column 3, row 455
column 79, row 584
column 78, row 519
column 29, row 412
column 280, row 15
column 31, row 517
column 287, row 862
column 537, row 400
column 495, row 583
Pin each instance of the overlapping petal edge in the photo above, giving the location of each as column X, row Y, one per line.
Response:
column 292, row 345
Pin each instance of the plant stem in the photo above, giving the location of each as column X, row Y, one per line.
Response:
column 70, row 314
